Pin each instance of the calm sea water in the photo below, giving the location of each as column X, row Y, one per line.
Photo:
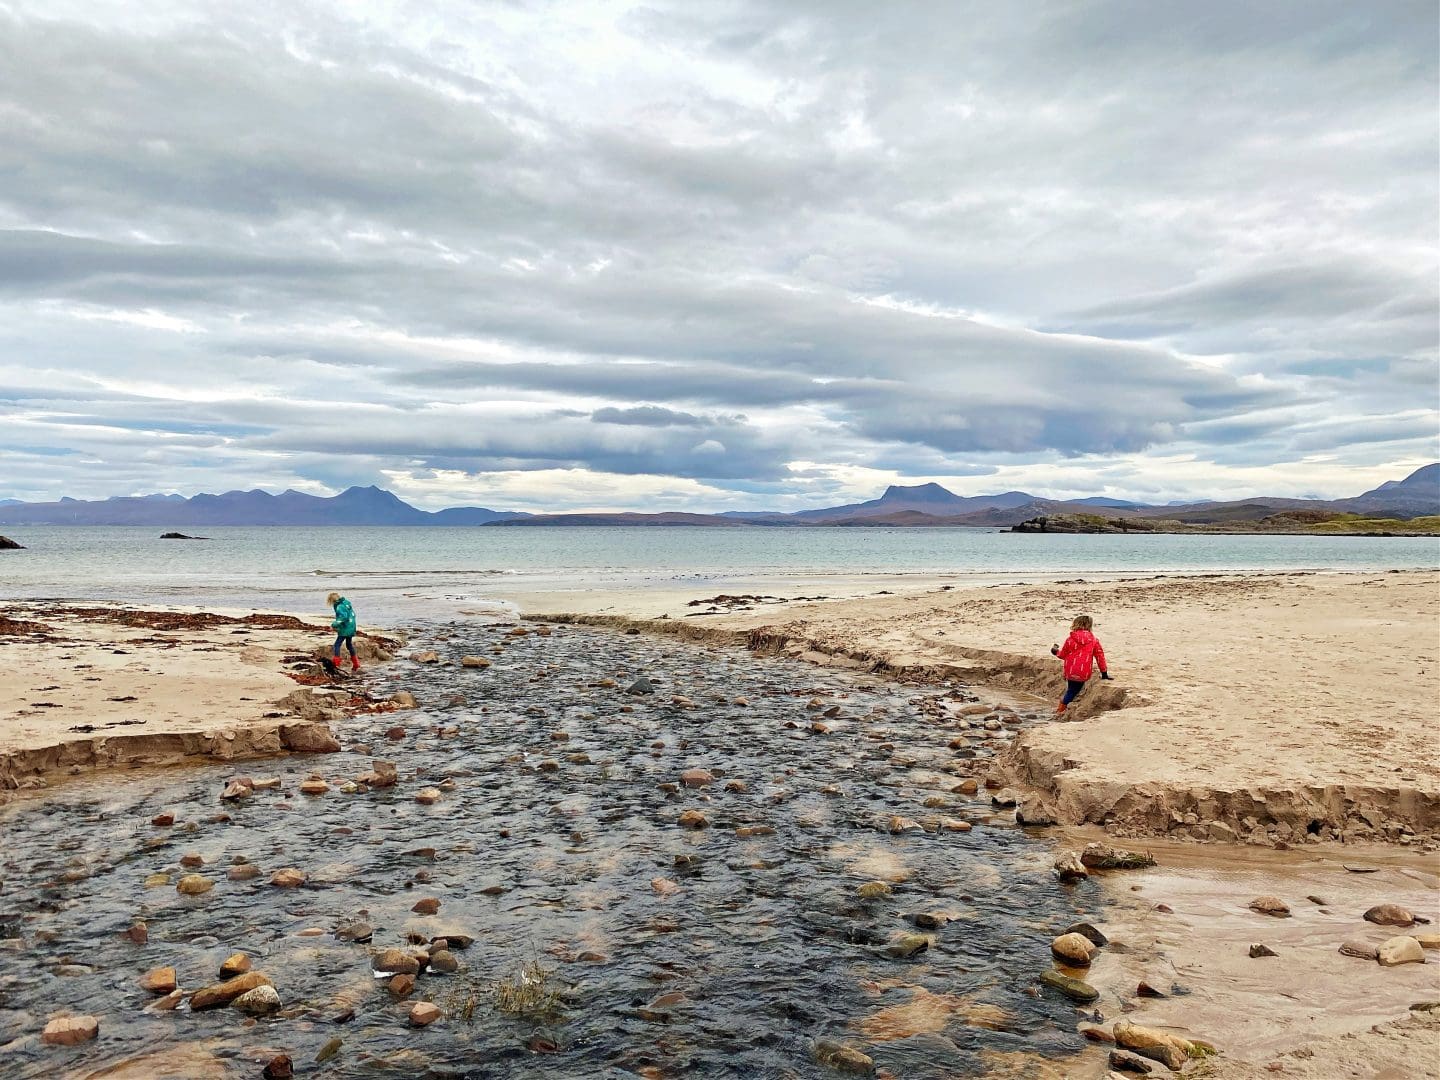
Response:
column 405, row 572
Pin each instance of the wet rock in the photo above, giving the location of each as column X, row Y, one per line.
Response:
column 640, row 686
column 694, row 778
column 1361, row 950
column 874, row 890
column 1089, row 933
column 1073, row 949
column 950, row 824
column 664, row 887
column 400, row 986
column 191, row 861
column 212, row 997
column 314, row 786
column 1389, row 915
column 287, row 878
column 443, row 961
column 397, row 962
column 897, row 824
column 428, row 905
column 138, row 934
column 159, row 980
column 423, row 1014
column 931, row 920
column 843, row 1058
column 243, row 872
column 1004, row 799
column 474, row 662
column 279, row 1068
column 907, row 945
column 1095, row 1033
column 162, row 820
column 1098, row 856
column 169, row 1003
column 1074, row 989
column 1145, row 990
column 1122, row 1061
column 242, row 787
column 1170, row 1050
column 1400, row 950
column 1257, row 951
column 404, row 699
column 452, row 941
column 425, row 656
column 1428, row 941
column 236, row 964
column 262, row 1001
column 194, row 885
column 70, row 1030
column 1035, row 811
column 395, row 734
column 967, row 787
column 329, row 1050
column 382, row 774
column 736, row 787
column 1069, row 867
column 693, row 819
column 1270, row 905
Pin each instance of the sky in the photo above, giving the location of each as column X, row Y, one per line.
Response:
column 719, row 256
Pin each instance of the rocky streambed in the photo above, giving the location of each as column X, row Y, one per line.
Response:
column 595, row 854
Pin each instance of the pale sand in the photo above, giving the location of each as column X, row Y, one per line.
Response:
column 98, row 693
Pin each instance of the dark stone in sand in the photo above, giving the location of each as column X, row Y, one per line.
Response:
column 1123, row 1062
column 1074, row 989
column 641, row 686
column 1257, row 951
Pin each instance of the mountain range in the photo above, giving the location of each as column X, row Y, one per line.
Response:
column 1416, row 495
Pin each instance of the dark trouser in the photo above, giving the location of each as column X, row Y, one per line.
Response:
column 349, row 640
column 1072, row 690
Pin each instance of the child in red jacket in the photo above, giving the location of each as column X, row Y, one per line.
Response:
column 1080, row 651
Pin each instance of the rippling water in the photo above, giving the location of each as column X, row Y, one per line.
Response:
column 545, row 852
column 400, row 573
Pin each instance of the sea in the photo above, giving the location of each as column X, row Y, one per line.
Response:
column 405, row 573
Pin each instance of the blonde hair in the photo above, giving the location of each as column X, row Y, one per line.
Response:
column 1083, row 622
column 333, row 599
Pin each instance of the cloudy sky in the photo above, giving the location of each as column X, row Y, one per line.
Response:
column 718, row 256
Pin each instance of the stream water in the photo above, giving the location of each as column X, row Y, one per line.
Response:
column 670, row 951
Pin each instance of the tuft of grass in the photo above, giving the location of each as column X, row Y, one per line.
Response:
column 528, row 992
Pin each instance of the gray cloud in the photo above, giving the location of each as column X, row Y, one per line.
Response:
column 740, row 245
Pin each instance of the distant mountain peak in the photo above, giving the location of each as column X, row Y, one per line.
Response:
column 919, row 493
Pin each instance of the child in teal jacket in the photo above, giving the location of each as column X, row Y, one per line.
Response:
column 344, row 626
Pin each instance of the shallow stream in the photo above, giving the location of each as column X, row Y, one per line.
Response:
column 669, row 951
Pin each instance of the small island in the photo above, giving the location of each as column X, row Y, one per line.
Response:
column 6, row 544
column 1292, row 522
column 181, row 536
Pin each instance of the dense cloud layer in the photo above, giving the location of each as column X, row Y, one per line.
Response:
column 718, row 256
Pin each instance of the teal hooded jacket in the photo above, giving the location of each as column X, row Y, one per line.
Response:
column 344, row 622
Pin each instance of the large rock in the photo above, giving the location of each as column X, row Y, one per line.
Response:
column 397, row 962
column 382, row 774
column 1033, row 810
column 70, row 1030
column 1073, row 949
column 1098, row 856
column 1389, row 915
column 1070, row 868
column 212, row 997
column 1170, row 1050
column 6, row 544
column 1271, row 905
column 309, row 737
column 1401, row 950
column 843, row 1058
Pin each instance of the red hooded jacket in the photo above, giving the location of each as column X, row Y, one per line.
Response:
column 1080, row 651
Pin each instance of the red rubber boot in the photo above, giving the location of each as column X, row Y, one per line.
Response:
column 354, row 663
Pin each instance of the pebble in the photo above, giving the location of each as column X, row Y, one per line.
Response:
column 1389, row 915
column 1073, row 949
column 1257, row 951
column 159, row 980
column 243, row 872
column 843, row 1058
column 694, row 778
column 397, row 961
column 443, row 961
column 236, row 964
column 1360, row 950
column 1074, row 989
column 329, row 1050
column 693, row 819
column 162, row 820
column 194, row 885
column 261, row 1001
column 423, row 1014
column 427, row 906
column 314, row 786
column 400, row 986
column 874, row 890
column 1271, row 905
column 287, row 878
column 70, row 1030
column 279, row 1068
column 1069, row 867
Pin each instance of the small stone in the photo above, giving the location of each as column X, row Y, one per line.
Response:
column 1069, row 867
column 314, row 786
column 1145, row 990
column 169, row 1003
column 397, row 961
column 1360, row 950
column 874, row 890
column 1257, row 951
column 138, row 934
column 400, row 986
column 287, row 878
column 898, row 824
column 427, row 796
column 223, row 993
column 240, row 788
column 155, row 881
column 403, row 699
column 1004, row 799
column 1089, row 933
column 70, row 1030
column 279, row 1068
column 907, row 945
column 443, row 961
column 191, row 861
column 194, row 885
column 236, row 964
column 329, row 1050
column 159, row 980
column 1073, row 949
column 1389, row 915
column 425, row 656
column 1074, row 989
column 1428, row 941
column 423, row 1014
column 693, row 819
column 843, row 1058
column 427, row 906
column 664, row 887
column 967, row 787
column 1095, row 1033
column 162, row 820
column 931, row 920
column 243, row 872
column 1271, row 905
column 1127, row 1062
column 694, row 778
column 1401, row 950
column 474, row 662
column 261, row 1001
column 1170, row 1050
column 1221, row 833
